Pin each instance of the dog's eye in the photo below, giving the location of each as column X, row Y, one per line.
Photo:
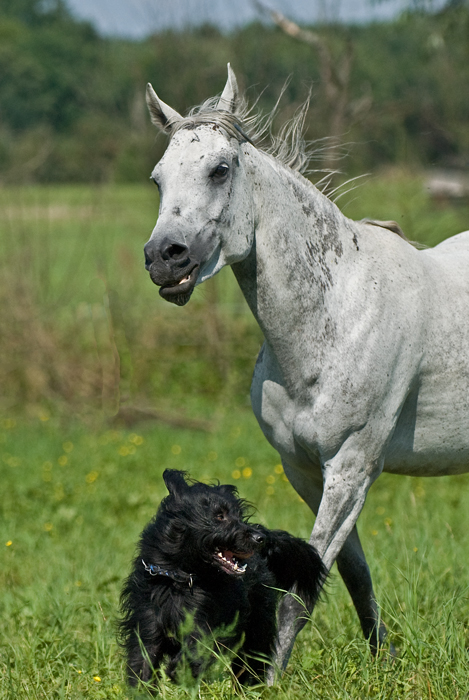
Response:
column 220, row 515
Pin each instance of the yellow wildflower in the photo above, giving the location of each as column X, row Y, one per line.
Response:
column 136, row 439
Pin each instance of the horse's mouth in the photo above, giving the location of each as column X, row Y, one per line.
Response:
column 228, row 561
column 179, row 292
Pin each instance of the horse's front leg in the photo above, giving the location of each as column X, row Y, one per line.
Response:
column 334, row 535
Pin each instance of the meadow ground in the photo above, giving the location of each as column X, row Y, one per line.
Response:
column 85, row 343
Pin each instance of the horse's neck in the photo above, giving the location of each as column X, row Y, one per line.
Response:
column 300, row 238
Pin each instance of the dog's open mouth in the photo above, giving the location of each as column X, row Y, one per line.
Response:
column 228, row 561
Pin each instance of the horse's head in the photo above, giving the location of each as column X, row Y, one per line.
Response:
column 205, row 220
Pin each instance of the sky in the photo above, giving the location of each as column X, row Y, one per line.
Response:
column 139, row 18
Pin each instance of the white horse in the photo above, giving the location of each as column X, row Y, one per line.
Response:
column 365, row 364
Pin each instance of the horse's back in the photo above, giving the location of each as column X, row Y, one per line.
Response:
column 454, row 245
column 447, row 267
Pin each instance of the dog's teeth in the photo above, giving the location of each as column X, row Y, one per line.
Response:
column 243, row 568
column 219, row 554
column 235, row 566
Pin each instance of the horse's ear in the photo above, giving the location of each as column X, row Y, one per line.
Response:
column 162, row 115
column 230, row 98
column 175, row 481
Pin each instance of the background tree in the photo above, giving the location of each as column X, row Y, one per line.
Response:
column 72, row 102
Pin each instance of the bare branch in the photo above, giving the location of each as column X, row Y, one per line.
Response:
column 306, row 36
column 334, row 73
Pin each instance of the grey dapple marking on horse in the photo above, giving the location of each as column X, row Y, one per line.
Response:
column 365, row 365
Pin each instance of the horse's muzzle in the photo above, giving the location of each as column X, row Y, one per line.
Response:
column 179, row 292
column 172, row 269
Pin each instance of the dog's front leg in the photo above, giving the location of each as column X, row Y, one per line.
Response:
column 194, row 656
column 253, row 659
column 143, row 658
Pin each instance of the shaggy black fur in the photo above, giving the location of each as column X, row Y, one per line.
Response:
column 200, row 556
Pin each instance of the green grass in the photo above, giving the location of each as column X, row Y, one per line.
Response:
column 85, row 334
column 83, row 327
column 75, row 500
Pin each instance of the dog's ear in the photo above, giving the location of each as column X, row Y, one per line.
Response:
column 175, row 481
column 294, row 562
column 228, row 490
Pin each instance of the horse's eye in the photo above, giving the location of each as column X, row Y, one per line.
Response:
column 220, row 172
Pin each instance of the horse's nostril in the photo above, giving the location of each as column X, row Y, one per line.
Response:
column 169, row 252
column 174, row 251
column 149, row 256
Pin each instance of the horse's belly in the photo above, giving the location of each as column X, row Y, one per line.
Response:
column 432, row 434
column 430, row 458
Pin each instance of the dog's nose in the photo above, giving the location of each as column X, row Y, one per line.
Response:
column 258, row 537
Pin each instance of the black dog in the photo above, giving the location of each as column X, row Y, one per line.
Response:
column 201, row 557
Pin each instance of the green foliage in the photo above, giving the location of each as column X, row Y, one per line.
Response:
column 35, row 12
column 412, row 68
column 72, row 103
column 46, row 59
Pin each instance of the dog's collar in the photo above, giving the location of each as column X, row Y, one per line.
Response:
column 177, row 576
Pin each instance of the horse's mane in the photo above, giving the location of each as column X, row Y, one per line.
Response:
column 248, row 124
column 287, row 146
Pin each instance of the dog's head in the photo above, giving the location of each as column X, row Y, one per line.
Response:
column 201, row 526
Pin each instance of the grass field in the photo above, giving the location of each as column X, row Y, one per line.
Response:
column 84, row 335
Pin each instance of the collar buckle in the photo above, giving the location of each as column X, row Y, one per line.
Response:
column 177, row 576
